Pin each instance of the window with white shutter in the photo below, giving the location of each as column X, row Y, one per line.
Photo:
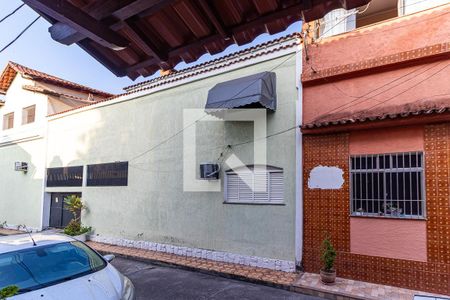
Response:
column 261, row 185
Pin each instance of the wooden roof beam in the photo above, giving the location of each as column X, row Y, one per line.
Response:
column 80, row 21
column 212, row 17
column 264, row 19
column 139, row 38
column 156, row 6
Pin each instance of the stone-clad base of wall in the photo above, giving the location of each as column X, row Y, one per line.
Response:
column 253, row 261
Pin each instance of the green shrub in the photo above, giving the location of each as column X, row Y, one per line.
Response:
column 9, row 291
column 74, row 204
column 328, row 254
column 75, row 228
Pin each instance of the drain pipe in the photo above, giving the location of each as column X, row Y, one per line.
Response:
column 298, row 161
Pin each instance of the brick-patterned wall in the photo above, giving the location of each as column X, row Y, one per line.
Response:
column 327, row 211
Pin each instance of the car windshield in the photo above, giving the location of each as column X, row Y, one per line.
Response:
column 42, row 266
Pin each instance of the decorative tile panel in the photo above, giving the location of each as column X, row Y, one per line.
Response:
column 327, row 211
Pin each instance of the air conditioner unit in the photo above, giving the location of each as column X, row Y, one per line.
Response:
column 209, row 171
column 21, row 166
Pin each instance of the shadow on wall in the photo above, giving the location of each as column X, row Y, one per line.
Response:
column 149, row 207
column 20, row 191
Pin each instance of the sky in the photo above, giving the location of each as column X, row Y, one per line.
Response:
column 36, row 49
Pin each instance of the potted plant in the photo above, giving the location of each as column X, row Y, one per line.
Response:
column 74, row 204
column 8, row 291
column 328, row 273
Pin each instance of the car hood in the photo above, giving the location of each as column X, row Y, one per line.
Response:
column 105, row 284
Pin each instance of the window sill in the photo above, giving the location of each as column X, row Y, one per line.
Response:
column 389, row 217
column 256, row 203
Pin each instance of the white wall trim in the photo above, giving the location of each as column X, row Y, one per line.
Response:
column 253, row 261
column 299, row 161
column 15, row 141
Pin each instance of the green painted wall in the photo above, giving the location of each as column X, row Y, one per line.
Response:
column 153, row 206
column 21, row 194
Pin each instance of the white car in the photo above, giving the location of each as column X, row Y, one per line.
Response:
column 59, row 267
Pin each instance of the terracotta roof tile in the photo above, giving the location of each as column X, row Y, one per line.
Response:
column 13, row 68
column 433, row 105
column 206, row 67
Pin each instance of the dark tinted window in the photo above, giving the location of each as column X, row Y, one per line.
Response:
column 112, row 174
column 42, row 266
column 69, row 176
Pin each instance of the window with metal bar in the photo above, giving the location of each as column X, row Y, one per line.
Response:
column 389, row 185
column 67, row 176
column 109, row 174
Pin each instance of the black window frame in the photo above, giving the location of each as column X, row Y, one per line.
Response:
column 96, row 174
column 68, row 176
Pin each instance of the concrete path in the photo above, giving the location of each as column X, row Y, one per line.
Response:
column 156, row 282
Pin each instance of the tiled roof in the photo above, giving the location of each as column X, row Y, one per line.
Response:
column 263, row 49
column 433, row 105
column 204, row 66
column 57, row 94
column 150, row 35
column 13, row 68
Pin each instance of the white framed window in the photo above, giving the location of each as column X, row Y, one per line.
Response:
column 8, row 121
column 387, row 185
column 407, row 7
column 254, row 185
column 337, row 21
column 28, row 114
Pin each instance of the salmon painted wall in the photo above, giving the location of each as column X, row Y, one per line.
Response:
column 401, row 239
column 378, row 89
column 388, row 37
column 393, row 238
column 387, row 140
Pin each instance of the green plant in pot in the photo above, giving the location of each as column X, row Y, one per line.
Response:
column 328, row 273
column 8, row 291
column 75, row 205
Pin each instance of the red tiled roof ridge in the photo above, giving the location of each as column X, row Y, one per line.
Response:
column 213, row 61
column 54, row 80
column 177, row 74
column 431, row 105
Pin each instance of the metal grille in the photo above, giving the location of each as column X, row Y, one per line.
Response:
column 68, row 176
column 389, row 185
column 109, row 174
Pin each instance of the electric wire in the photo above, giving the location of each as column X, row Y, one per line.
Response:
column 19, row 35
column 418, row 83
column 11, row 13
column 189, row 125
column 344, row 17
column 231, row 146
column 362, row 97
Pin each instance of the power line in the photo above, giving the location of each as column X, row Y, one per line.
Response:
column 228, row 147
column 344, row 17
column 421, row 81
column 356, row 102
column 184, row 128
column 19, row 35
column 11, row 13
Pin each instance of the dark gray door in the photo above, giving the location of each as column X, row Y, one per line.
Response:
column 59, row 216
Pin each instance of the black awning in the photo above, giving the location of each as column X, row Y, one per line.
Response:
column 258, row 90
